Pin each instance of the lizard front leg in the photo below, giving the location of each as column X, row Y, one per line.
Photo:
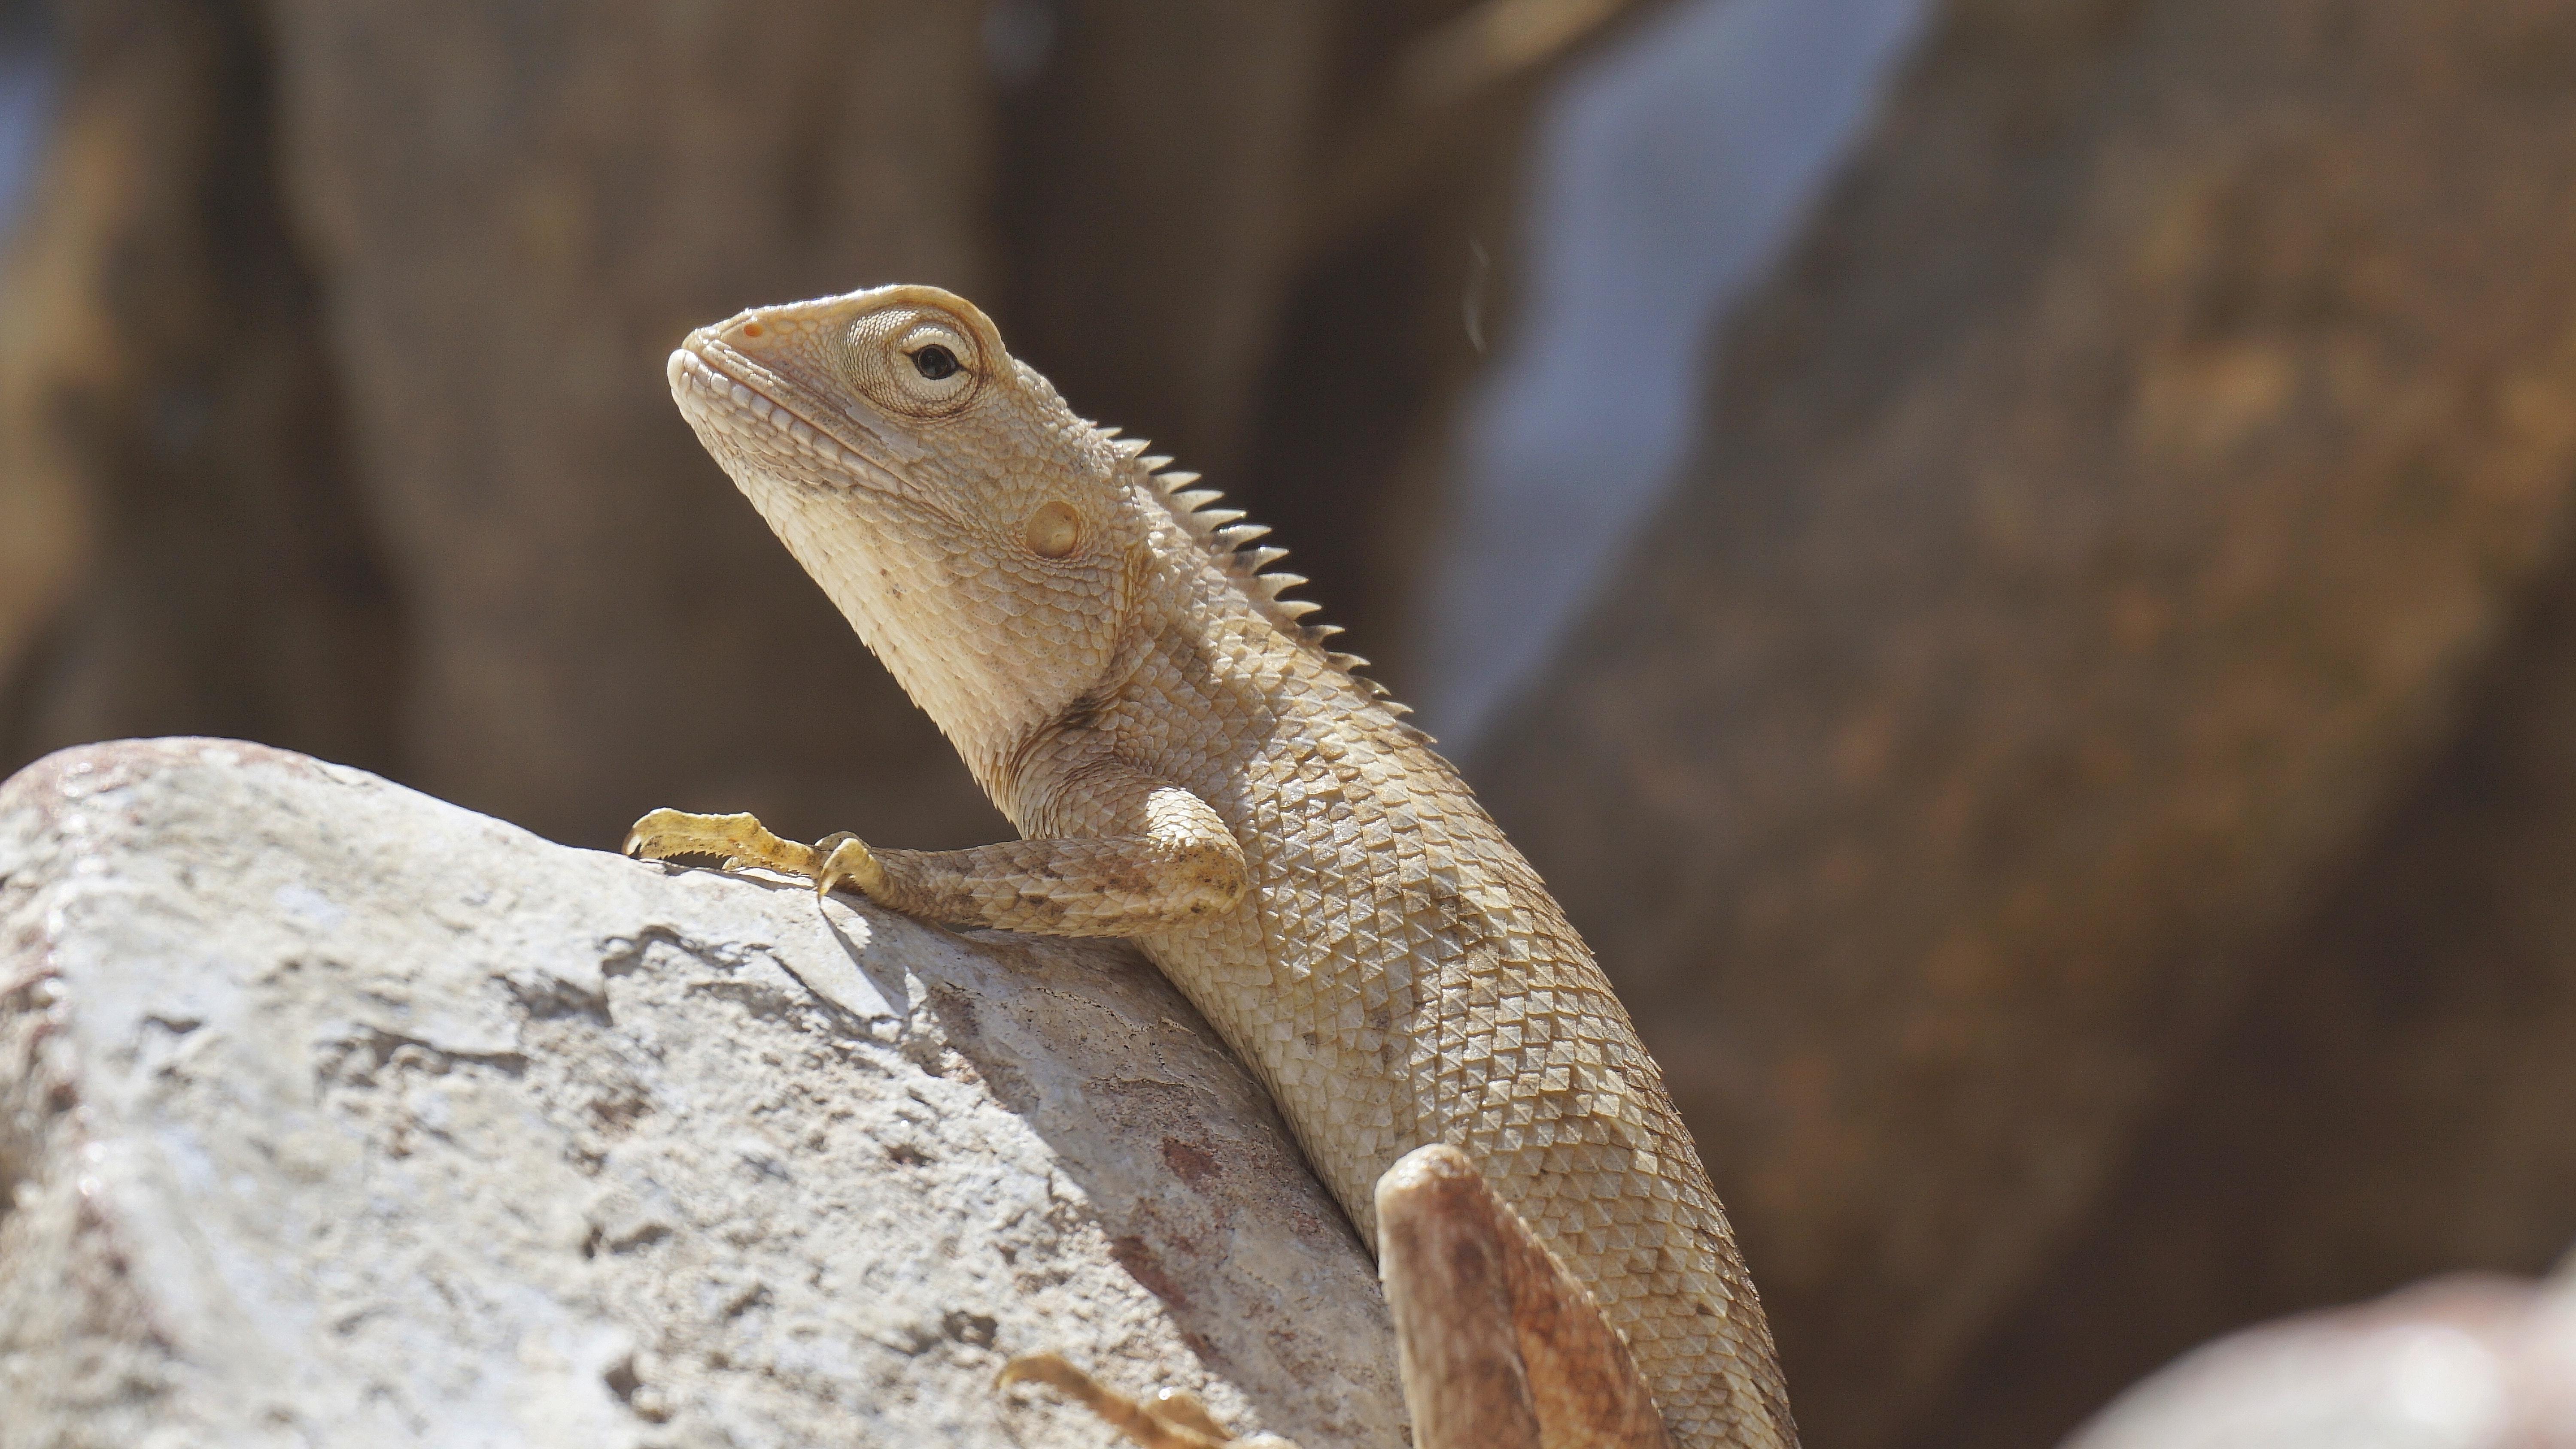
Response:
column 1162, row 859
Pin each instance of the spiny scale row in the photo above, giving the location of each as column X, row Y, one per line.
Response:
column 1227, row 537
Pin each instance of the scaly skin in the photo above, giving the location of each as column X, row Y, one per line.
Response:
column 1191, row 769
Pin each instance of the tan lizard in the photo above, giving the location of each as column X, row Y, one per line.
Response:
column 1501, row 1347
column 1191, row 768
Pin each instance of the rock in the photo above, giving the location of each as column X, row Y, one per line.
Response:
column 332, row 410
column 1303, row 340
column 2390, row 1106
column 332, row 403
column 2471, row 1362
column 181, row 546
column 1165, row 328
column 517, row 212
column 331, row 1113
column 2096, row 530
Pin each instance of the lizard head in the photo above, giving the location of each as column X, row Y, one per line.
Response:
column 982, row 539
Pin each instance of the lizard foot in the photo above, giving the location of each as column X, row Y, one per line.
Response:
column 1500, row 1346
column 1169, row 1419
column 739, row 839
column 846, row 858
column 742, row 840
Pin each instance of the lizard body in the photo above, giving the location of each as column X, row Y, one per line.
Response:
column 1191, row 768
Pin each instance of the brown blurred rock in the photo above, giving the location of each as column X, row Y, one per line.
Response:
column 1235, row 233
column 2096, row 523
column 1151, row 209
column 2392, row 1105
column 1351, row 450
column 510, row 212
column 1412, row 231
column 179, row 548
column 520, row 210
column 1262, row 257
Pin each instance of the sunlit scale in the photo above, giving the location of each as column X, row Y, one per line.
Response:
column 1192, row 767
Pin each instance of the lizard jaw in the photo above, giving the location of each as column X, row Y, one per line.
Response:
column 723, row 393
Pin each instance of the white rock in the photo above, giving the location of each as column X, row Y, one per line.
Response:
column 2470, row 1361
column 331, row 1114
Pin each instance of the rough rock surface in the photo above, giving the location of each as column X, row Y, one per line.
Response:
column 334, row 1114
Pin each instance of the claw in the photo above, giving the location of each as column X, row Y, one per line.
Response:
column 649, row 831
column 849, row 860
column 737, row 840
column 1168, row 1420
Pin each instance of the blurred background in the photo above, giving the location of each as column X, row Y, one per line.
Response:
column 2009, row 559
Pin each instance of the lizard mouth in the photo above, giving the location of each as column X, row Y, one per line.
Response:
column 720, row 385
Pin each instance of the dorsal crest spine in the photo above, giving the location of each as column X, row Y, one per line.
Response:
column 1228, row 541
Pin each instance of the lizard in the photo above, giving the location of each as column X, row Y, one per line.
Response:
column 1500, row 1347
column 1193, row 767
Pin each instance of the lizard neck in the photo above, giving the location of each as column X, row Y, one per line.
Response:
column 1186, row 625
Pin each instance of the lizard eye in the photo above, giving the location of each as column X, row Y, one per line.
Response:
column 911, row 361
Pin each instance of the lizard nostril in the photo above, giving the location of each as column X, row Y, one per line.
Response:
column 752, row 329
